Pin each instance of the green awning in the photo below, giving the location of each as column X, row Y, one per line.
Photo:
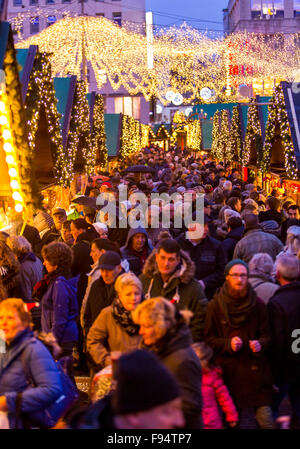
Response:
column 112, row 123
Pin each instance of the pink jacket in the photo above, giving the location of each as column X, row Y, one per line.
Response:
column 215, row 392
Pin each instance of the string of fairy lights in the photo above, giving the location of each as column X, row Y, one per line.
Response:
column 184, row 59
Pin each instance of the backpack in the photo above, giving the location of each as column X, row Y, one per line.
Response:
column 49, row 416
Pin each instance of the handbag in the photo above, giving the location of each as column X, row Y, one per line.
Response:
column 49, row 416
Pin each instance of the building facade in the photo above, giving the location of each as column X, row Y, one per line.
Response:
column 118, row 11
column 262, row 16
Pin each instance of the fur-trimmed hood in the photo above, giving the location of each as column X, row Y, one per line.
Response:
column 185, row 271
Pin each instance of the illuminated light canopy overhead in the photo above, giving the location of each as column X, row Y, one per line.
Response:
column 185, row 61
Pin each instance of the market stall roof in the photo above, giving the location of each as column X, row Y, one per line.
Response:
column 113, row 125
column 64, row 92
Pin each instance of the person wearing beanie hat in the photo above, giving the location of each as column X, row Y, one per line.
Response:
column 255, row 241
column 146, row 396
column 237, row 329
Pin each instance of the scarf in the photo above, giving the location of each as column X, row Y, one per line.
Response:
column 236, row 310
column 41, row 287
column 142, row 255
column 123, row 318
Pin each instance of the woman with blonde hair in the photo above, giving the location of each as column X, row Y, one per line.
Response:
column 31, row 268
column 10, row 279
column 114, row 329
column 164, row 331
column 24, row 353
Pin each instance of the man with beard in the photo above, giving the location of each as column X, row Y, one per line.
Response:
column 237, row 329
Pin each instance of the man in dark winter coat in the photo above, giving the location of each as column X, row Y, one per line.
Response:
column 136, row 250
column 208, row 256
column 237, row 329
column 102, row 291
column 255, row 241
column 235, row 232
column 169, row 272
column 273, row 211
column 284, row 313
column 59, row 217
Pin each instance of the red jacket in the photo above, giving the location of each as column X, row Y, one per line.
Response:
column 215, row 392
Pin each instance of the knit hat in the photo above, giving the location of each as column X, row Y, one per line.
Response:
column 143, row 383
column 234, row 262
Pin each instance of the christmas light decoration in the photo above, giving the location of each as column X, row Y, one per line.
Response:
column 12, row 158
column 41, row 94
column 253, row 137
column 277, row 117
column 194, row 135
column 99, row 152
column 223, row 152
column 14, row 136
column 130, row 137
column 216, row 134
column 236, row 138
column 186, row 61
column 79, row 139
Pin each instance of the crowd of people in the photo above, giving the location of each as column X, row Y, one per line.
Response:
column 193, row 329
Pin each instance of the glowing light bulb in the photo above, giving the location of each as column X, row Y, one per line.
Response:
column 18, row 207
column 6, row 134
column 13, row 172
column 7, row 147
column 10, row 159
column 14, row 184
column 3, row 120
column 2, row 106
column 17, row 196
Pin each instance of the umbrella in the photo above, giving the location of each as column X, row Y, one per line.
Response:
column 139, row 169
column 85, row 201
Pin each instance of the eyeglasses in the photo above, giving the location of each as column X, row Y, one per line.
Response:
column 235, row 276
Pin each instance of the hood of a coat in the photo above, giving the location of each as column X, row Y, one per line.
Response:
column 185, row 271
column 236, row 233
column 133, row 232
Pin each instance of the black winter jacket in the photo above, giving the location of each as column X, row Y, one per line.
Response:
column 284, row 313
column 231, row 240
column 209, row 259
column 180, row 359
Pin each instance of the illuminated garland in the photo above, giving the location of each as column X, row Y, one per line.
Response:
column 194, row 135
column 215, row 134
column 19, row 131
column 11, row 153
column 130, row 137
column 41, row 94
column 236, row 138
column 224, row 148
column 145, row 131
column 278, row 116
column 98, row 134
column 253, row 136
column 79, row 138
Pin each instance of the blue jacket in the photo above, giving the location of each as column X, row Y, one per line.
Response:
column 231, row 240
column 42, row 368
column 60, row 309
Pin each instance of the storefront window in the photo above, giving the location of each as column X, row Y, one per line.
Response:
column 264, row 9
column 296, row 8
column 129, row 106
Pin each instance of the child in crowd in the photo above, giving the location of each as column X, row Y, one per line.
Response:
column 214, row 392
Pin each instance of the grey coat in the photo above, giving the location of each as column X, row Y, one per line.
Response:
column 31, row 272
